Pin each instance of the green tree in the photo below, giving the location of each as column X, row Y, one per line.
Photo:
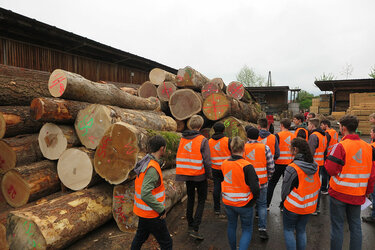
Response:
column 249, row 78
column 372, row 72
column 325, row 77
column 304, row 99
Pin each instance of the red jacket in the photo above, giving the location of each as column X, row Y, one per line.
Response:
column 334, row 164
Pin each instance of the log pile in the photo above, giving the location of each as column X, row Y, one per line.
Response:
column 62, row 131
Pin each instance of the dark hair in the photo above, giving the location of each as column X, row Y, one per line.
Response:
column 263, row 122
column 252, row 133
column 155, row 143
column 315, row 122
column 300, row 117
column 312, row 114
column 303, row 148
column 219, row 127
column 350, row 122
column 326, row 122
column 247, row 127
column 285, row 122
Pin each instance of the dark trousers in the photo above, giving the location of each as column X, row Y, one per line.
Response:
column 218, row 178
column 156, row 227
column 201, row 186
column 279, row 171
column 325, row 178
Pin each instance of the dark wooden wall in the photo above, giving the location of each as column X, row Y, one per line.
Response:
column 14, row 53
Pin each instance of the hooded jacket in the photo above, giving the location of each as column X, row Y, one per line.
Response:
column 290, row 176
column 263, row 134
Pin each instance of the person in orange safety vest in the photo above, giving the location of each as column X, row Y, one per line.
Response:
column 300, row 128
column 193, row 165
column 267, row 138
column 149, row 197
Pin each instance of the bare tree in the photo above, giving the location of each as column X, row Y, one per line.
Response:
column 347, row 71
column 372, row 72
column 249, row 78
column 325, row 77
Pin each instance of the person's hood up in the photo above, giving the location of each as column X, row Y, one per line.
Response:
column 264, row 133
column 308, row 168
column 142, row 163
column 190, row 134
column 217, row 136
column 319, row 130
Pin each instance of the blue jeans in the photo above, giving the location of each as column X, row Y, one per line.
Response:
column 339, row 210
column 262, row 209
column 295, row 222
column 246, row 216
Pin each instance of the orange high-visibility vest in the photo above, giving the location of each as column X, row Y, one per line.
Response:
column 304, row 198
column 373, row 144
column 255, row 153
column 189, row 160
column 285, row 139
column 319, row 151
column 235, row 191
column 219, row 151
column 306, row 133
column 334, row 139
column 270, row 141
column 140, row 208
column 356, row 172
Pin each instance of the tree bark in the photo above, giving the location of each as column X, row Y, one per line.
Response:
column 118, row 150
column 158, row 76
column 219, row 82
column 19, row 150
column 123, row 199
column 165, row 90
column 54, row 140
column 181, row 125
column 3, row 125
column 3, row 239
column 75, row 168
column 210, row 88
column 147, row 89
column 235, row 90
column 30, row 182
column 234, row 127
column 18, row 121
column 72, row 86
column 190, row 78
column 55, row 110
column 122, row 84
column 19, row 86
column 59, row 222
column 130, row 90
column 184, row 103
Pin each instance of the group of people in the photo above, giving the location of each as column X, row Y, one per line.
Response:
column 309, row 156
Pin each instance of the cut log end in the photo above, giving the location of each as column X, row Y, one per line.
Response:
column 57, row 83
column 235, row 90
column 216, row 106
column 146, row 90
column 75, row 169
column 7, row 157
column 184, row 103
column 37, row 108
column 158, row 76
column 2, row 126
column 52, row 141
column 210, row 88
column 3, row 238
column 165, row 90
column 117, row 153
column 15, row 190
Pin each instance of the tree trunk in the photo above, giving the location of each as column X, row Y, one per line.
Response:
column 210, row 88
column 234, row 127
column 123, row 199
column 55, row 110
column 19, row 150
column 75, row 168
column 218, row 106
column 54, row 140
column 235, row 90
column 147, row 89
column 190, row 78
column 17, row 121
column 158, row 76
column 19, row 86
column 57, row 223
column 122, row 84
column 205, row 132
column 30, row 182
column 3, row 238
column 165, row 90
column 181, row 125
column 118, row 150
column 191, row 119
column 219, row 82
column 72, row 86
column 3, row 125
column 130, row 90
column 184, row 103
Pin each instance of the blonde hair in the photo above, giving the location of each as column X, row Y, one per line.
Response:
column 237, row 144
column 372, row 115
column 195, row 122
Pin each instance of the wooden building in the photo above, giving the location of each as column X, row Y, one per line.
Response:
column 274, row 99
column 28, row 43
column 343, row 88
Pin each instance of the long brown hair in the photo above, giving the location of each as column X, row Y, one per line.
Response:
column 303, row 148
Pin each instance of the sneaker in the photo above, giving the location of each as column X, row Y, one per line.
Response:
column 324, row 192
column 263, row 234
column 190, row 230
column 196, row 235
column 368, row 219
column 217, row 212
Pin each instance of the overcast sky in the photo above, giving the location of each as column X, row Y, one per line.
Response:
column 297, row 40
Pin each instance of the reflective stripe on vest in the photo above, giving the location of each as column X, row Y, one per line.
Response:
column 354, row 176
column 319, row 151
column 304, row 198
column 270, row 141
column 235, row 191
column 285, row 139
column 140, row 208
column 219, row 150
column 189, row 160
column 334, row 139
column 255, row 153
